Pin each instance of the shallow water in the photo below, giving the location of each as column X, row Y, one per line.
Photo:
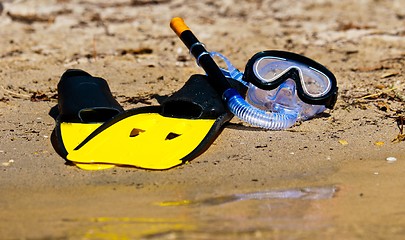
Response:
column 242, row 215
column 364, row 199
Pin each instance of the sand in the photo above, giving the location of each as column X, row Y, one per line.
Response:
column 327, row 178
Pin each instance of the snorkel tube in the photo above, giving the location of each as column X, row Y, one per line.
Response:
column 235, row 102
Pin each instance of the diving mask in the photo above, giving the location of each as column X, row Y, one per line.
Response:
column 290, row 86
column 315, row 84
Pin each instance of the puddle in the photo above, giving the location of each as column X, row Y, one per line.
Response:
column 307, row 193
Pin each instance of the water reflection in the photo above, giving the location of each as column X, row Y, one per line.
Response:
column 130, row 228
column 307, row 193
column 269, row 213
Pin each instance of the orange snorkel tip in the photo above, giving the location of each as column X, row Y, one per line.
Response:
column 178, row 25
column 203, row 57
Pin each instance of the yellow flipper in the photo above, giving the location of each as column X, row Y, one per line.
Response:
column 73, row 134
column 146, row 140
column 93, row 166
column 94, row 132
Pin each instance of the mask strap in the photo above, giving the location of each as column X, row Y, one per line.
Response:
column 232, row 71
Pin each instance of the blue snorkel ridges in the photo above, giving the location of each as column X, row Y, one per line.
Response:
column 257, row 117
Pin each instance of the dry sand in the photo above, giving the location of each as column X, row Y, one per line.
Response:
column 130, row 44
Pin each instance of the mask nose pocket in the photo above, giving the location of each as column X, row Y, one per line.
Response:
column 285, row 95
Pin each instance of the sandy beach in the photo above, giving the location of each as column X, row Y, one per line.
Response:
column 326, row 178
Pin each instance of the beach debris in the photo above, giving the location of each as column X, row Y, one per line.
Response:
column 379, row 143
column 135, row 3
column 6, row 164
column 36, row 15
column 379, row 94
column 43, row 97
column 384, row 99
column 400, row 123
column 147, row 2
column 31, row 18
column 391, row 159
column 144, row 98
column 390, row 74
column 343, row 142
column 14, row 94
column 382, row 105
column 136, row 51
column 306, row 193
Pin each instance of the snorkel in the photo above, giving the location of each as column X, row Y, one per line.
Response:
column 283, row 119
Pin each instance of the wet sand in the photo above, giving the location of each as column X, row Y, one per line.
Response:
column 327, row 178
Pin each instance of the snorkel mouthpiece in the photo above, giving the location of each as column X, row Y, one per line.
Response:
column 257, row 117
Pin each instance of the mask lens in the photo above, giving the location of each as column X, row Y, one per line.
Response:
column 269, row 69
column 314, row 82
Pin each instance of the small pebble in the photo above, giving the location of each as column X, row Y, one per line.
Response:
column 391, row 159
